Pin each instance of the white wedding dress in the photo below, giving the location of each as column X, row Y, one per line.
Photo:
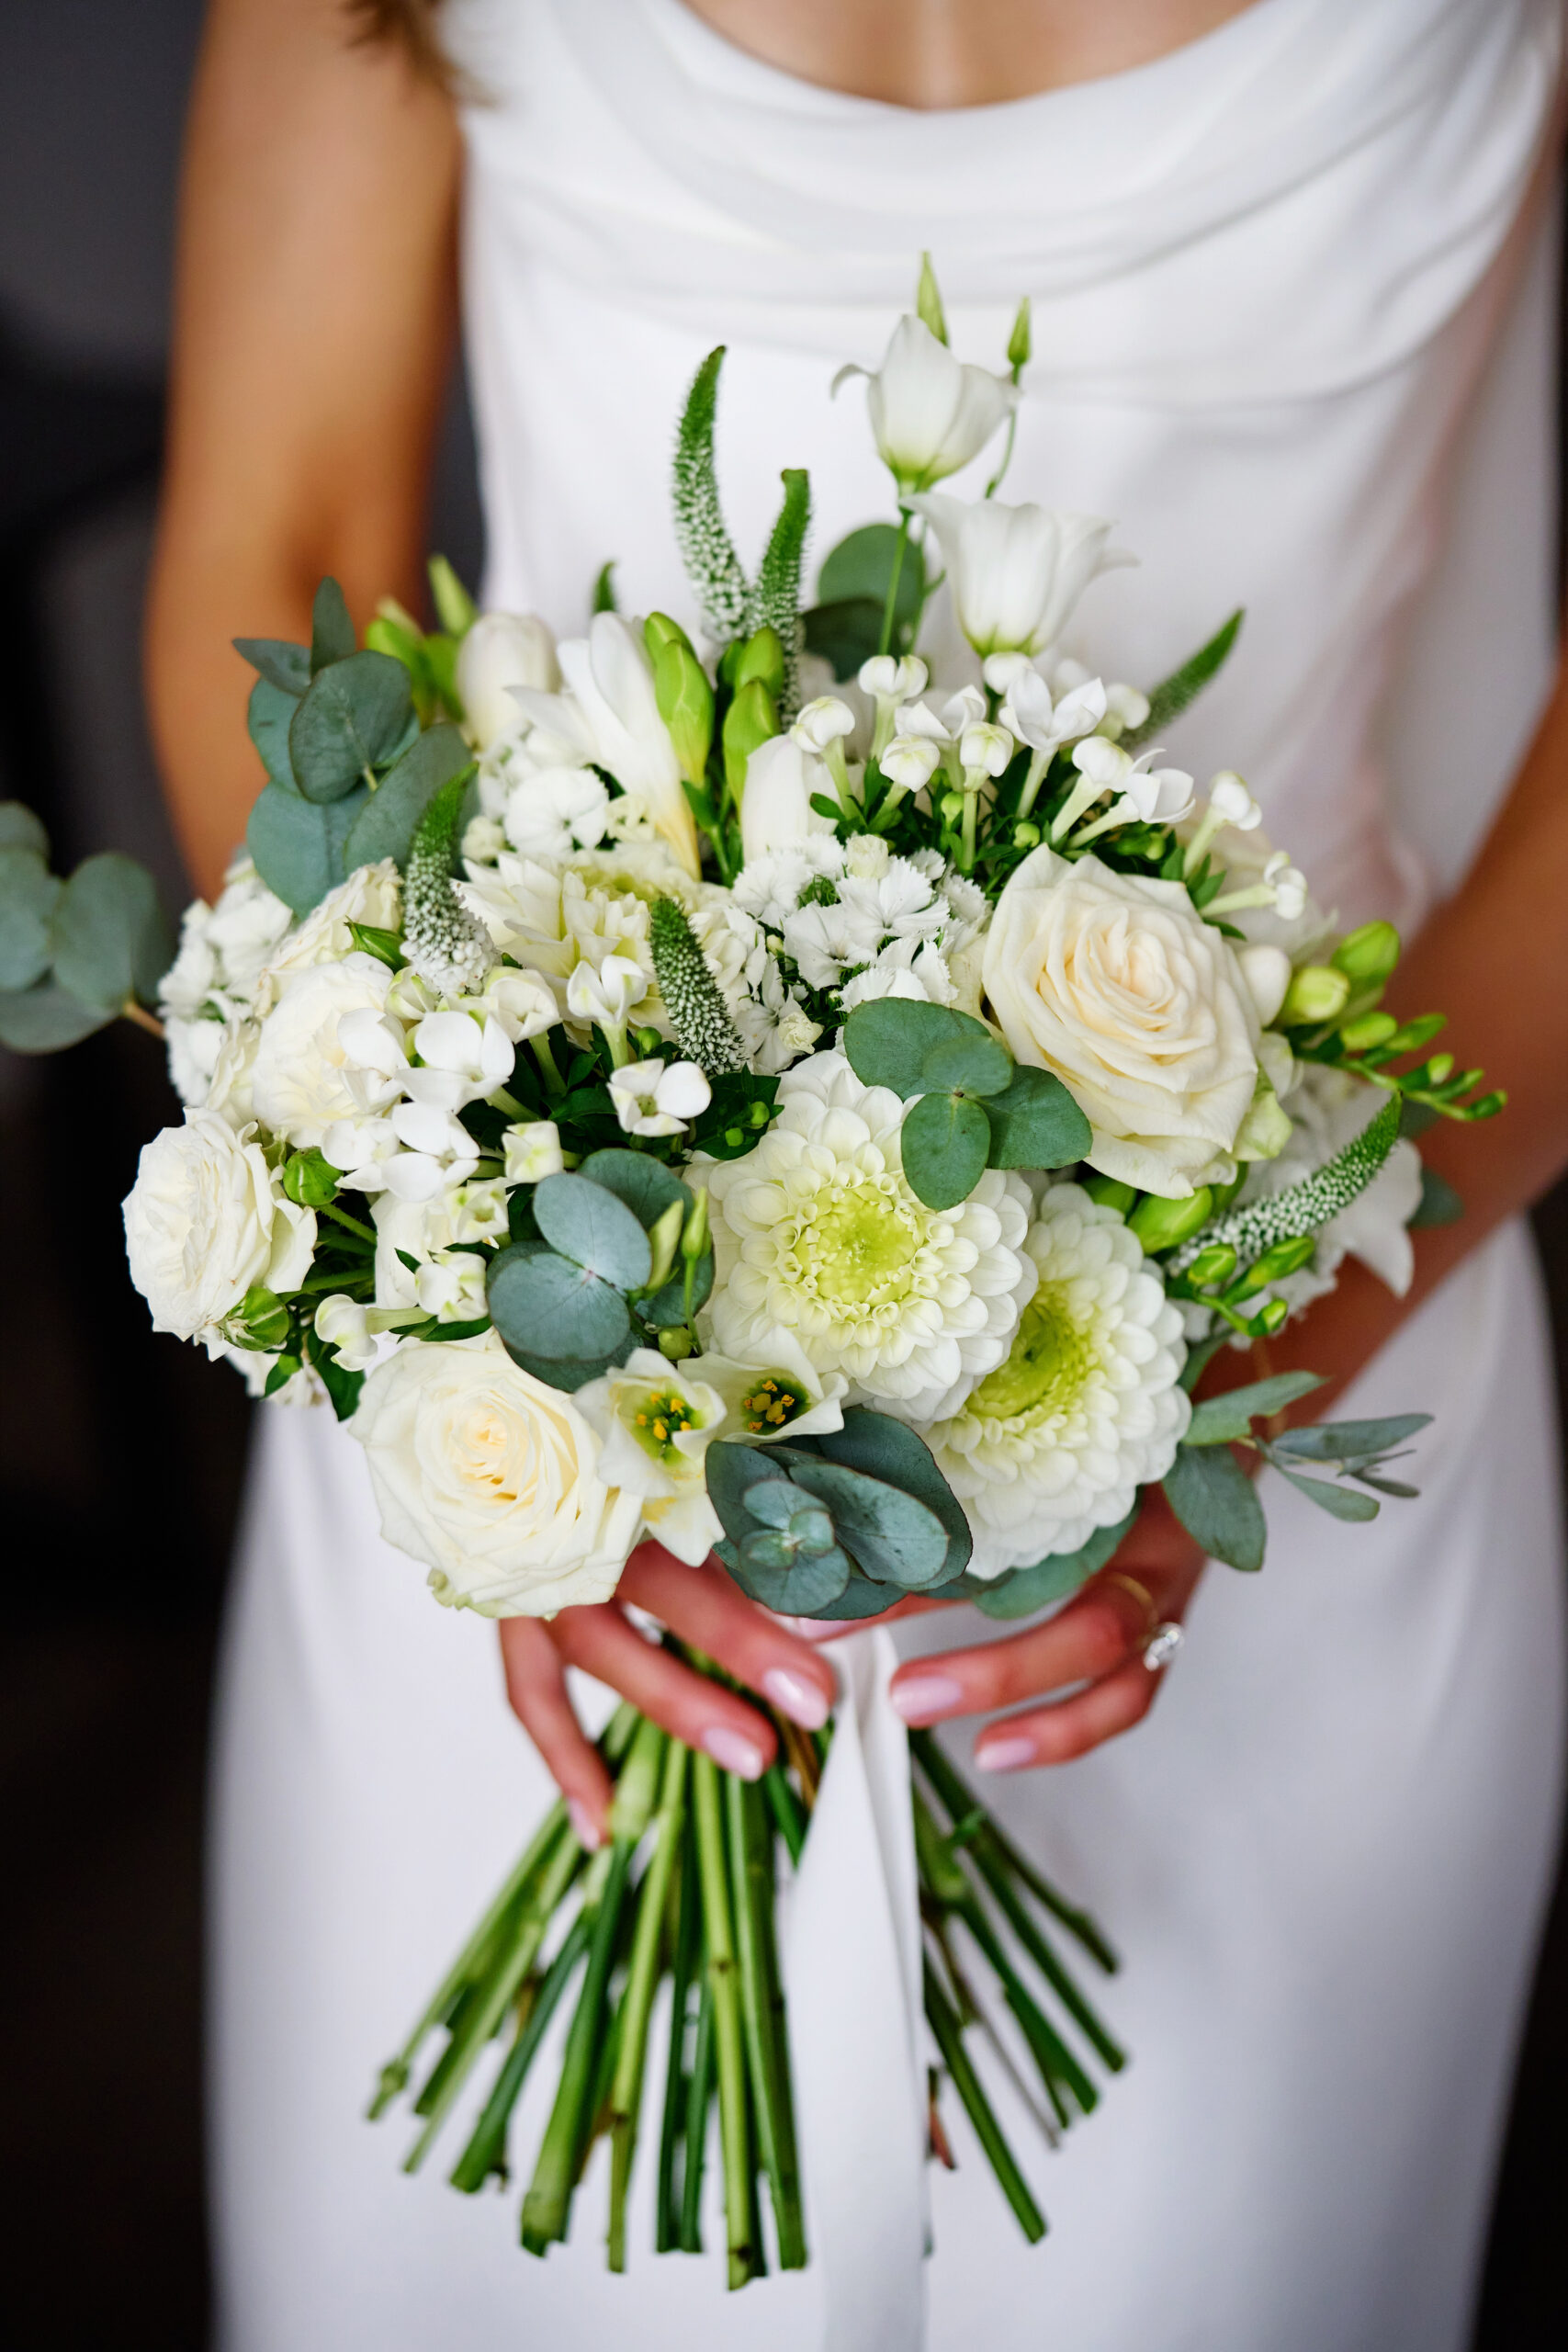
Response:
column 1292, row 297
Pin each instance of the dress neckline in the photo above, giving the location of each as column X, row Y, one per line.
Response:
column 728, row 62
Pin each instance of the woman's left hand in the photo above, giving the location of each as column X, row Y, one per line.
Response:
column 1097, row 1640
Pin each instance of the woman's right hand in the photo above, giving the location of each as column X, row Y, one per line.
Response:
column 709, row 1613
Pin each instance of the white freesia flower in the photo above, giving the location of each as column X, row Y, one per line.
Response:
column 550, row 922
column 532, row 1151
column 817, row 1231
column 654, row 1421
column 930, row 414
column 1116, row 984
column 302, row 1081
column 500, row 651
column 653, row 1099
column 1087, row 1406
column 204, row 1221
column 550, row 812
column 610, row 715
column 781, row 776
column 1017, row 572
column 491, row 1477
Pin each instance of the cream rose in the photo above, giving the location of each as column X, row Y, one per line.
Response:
column 302, row 1081
column 203, row 1223
column 491, row 1476
column 372, row 894
column 1117, row 985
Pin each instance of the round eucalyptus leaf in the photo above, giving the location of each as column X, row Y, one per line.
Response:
column 945, row 1140
column 332, row 626
column 896, row 1539
column 887, row 1448
column 860, row 1597
column 773, row 1501
column 918, row 1048
column 298, row 845
column 1035, row 1123
column 593, row 1229
column 861, row 566
column 285, row 666
column 567, row 1373
column 386, row 824
column 547, row 1308
column 45, row 1019
column 111, row 941
column 353, row 717
column 268, row 716
column 805, row 1587
column 19, row 829
column 27, row 895
column 646, row 1186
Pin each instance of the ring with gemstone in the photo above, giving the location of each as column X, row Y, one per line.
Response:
column 1163, row 1644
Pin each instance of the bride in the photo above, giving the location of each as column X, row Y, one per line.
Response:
column 1293, row 273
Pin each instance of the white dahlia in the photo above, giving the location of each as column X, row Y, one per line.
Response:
column 1087, row 1408
column 815, row 1230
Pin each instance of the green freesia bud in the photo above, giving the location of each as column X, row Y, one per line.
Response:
column 761, row 657
column 457, row 609
column 1372, row 1029
column 310, row 1179
column 659, row 631
column 928, row 300
column 1317, row 992
column 1284, row 1259
column 1273, row 1316
column 686, row 705
column 751, row 719
column 1369, row 953
column 1214, row 1264
column 663, row 1242
column 1110, row 1193
column 1161, row 1224
column 1018, row 341
column 695, row 1240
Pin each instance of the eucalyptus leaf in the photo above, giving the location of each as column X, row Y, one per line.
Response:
column 731, row 1467
column 1349, row 1440
column 1213, row 1496
column 844, row 635
column 919, row 1049
column 352, row 719
column 666, row 1307
column 1023, row 1591
column 1035, row 1123
column 547, row 1309
column 568, row 1373
column 268, row 717
column 1341, row 1503
column 594, row 1229
column 27, row 895
column 895, row 1538
column 944, row 1141
column 806, row 1587
column 111, row 941
column 1439, row 1205
column 387, row 825
column 286, row 668
column 1221, row 1420
column 45, row 1019
column 645, row 1184
column 889, row 1450
column 331, row 627
column 19, row 829
column 298, row 845
column 861, row 566
column 860, row 1597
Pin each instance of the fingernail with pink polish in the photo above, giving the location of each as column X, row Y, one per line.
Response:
column 1005, row 1755
column 921, row 1698
column 732, row 1752
column 584, row 1827
column 801, row 1700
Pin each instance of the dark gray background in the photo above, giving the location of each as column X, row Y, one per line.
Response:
column 121, row 1454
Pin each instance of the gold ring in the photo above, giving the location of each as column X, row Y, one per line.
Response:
column 1141, row 1594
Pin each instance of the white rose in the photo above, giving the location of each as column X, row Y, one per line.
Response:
column 372, row 895
column 302, row 1081
column 1117, row 985
column 491, row 1476
column 203, row 1223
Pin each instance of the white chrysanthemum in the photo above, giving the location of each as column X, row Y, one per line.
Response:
column 817, row 1231
column 1087, row 1407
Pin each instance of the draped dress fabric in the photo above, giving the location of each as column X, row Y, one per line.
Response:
column 1291, row 294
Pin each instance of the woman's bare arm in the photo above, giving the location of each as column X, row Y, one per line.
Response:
column 314, row 326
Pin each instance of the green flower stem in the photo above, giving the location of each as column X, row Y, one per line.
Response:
column 971, row 810
column 625, row 2091
column 728, row 2031
column 993, row 1869
column 485, row 2150
column 501, row 1100
column 699, row 2098
column 352, row 1224
column 555, row 1084
column 484, row 2010
column 965, row 1812
column 949, row 2042
column 687, row 1957
column 785, row 1808
column 548, row 2204
column 395, row 2074
column 767, row 2032
column 890, row 607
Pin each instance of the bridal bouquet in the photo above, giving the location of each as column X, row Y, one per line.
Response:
column 719, row 1086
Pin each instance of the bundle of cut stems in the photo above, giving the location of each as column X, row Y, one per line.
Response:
column 686, row 1888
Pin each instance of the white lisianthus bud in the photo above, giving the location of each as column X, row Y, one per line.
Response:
column 1017, row 572
column 929, row 412
column 531, row 1151
column 605, row 993
column 653, row 1099
column 910, row 761
column 775, row 808
column 341, row 1325
column 823, row 722
column 500, row 651
column 983, row 749
column 888, row 679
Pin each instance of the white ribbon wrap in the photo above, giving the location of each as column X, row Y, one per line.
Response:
column 852, row 1973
